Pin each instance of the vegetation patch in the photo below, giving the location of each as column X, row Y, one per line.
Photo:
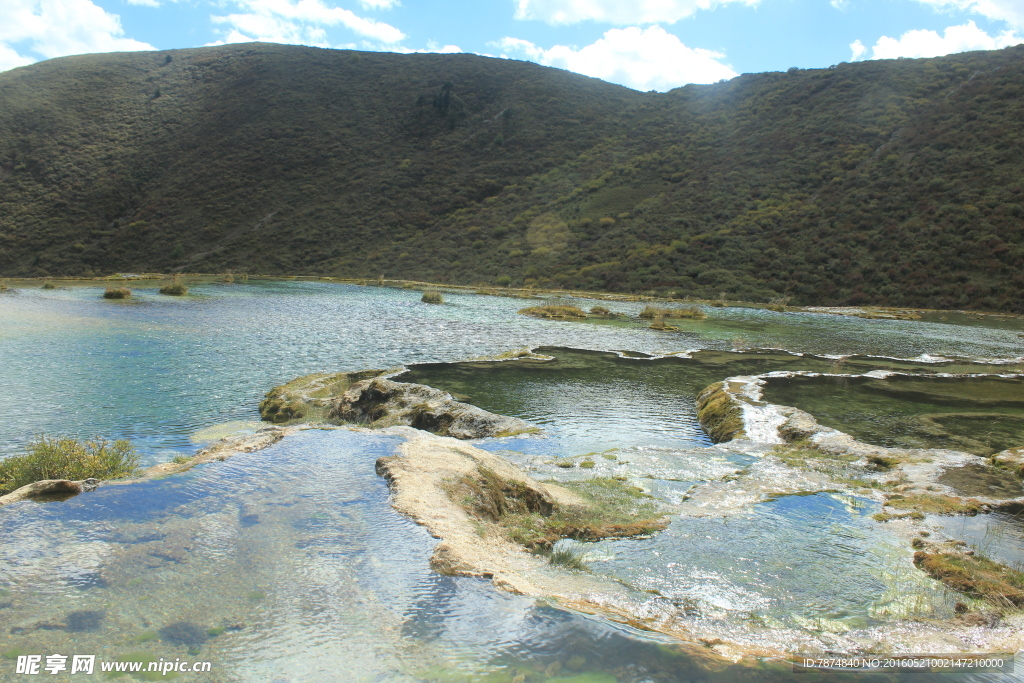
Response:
column 719, row 413
column 117, row 293
column 935, row 504
column 176, row 288
column 556, row 312
column 692, row 312
column 432, row 297
column 974, row 575
column 612, row 509
column 660, row 325
column 64, row 458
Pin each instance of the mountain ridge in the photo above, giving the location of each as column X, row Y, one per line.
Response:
column 890, row 183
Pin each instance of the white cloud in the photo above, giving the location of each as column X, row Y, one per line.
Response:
column 925, row 43
column 1010, row 11
column 614, row 11
column 858, row 50
column 299, row 22
column 432, row 47
column 379, row 4
column 55, row 28
column 644, row 59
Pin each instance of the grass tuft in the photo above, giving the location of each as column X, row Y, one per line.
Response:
column 568, row 556
column 117, row 293
column 65, row 458
column 935, row 504
column 555, row 312
column 660, row 325
column 176, row 288
column 974, row 575
column 432, row 297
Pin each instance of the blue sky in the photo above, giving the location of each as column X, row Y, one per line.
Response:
column 643, row 44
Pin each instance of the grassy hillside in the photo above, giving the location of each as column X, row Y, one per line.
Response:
column 888, row 182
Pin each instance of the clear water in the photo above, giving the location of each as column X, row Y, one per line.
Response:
column 156, row 369
column 295, row 550
column 981, row 415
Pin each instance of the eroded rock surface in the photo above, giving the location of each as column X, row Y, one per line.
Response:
column 367, row 398
column 384, row 403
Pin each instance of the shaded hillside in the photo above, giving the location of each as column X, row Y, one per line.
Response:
column 888, row 182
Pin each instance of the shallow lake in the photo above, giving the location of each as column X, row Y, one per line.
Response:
column 289, row 565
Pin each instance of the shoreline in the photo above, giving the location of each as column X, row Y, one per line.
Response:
column 862, row 311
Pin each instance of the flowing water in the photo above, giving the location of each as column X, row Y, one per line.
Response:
column 289, row 565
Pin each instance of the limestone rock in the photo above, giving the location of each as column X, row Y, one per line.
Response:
column 384, row 403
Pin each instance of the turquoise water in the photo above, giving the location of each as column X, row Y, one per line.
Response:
column 294, row 550
column 980, row 415
column 156, row 369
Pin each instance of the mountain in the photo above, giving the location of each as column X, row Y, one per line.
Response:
column 896, row 182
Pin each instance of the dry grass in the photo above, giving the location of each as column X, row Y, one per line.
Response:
column 691, row 312
column 552, row 311
column 176, row 288
column 117, row 293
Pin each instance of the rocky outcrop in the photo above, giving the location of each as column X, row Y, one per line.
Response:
column 310, row 397
column 49, row 487
column 367, row 398
column 479, row 505
column 384, row 403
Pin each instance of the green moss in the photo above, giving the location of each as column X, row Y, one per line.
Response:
column 146, row 636
column 935, row 504
column 612, row 509
column 888, row 516
column 64, row 458
column 719, row 413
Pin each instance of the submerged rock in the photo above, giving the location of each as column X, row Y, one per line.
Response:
column 183, row 633
column 83, row 620
column 49, row 487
